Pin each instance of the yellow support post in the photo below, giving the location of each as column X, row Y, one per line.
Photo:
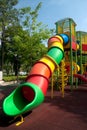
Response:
column 21, row 121
column 63, row 77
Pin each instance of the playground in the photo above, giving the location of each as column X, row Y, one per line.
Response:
column 54, row 93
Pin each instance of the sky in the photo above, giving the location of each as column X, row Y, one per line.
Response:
column 55, row 10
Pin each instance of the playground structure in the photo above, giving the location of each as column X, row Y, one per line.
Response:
column 75, row 50
column 66, row 52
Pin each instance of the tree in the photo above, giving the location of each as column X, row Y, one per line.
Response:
column 15, row 46
column 28, row 49
column 36, row 30
column 7, row 18
column 28, row 18
column 22, row 35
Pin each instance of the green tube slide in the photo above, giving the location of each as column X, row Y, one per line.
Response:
column 15, row 104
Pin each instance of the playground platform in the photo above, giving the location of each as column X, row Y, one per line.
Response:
column 68, row 113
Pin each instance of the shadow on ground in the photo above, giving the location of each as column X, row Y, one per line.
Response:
column 74, row 102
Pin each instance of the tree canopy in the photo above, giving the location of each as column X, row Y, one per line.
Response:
column 22, row 36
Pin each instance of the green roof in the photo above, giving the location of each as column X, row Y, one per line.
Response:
column 65, row 19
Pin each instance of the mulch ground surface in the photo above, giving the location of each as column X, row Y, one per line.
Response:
column 68, row 113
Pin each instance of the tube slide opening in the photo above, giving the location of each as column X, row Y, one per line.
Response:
column 28, row 93
column 23, row 96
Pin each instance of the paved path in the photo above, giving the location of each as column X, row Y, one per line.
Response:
column 2, row 83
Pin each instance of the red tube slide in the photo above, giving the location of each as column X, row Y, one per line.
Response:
column 82, row 77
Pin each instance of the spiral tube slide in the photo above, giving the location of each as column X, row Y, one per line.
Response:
column 30, row 94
